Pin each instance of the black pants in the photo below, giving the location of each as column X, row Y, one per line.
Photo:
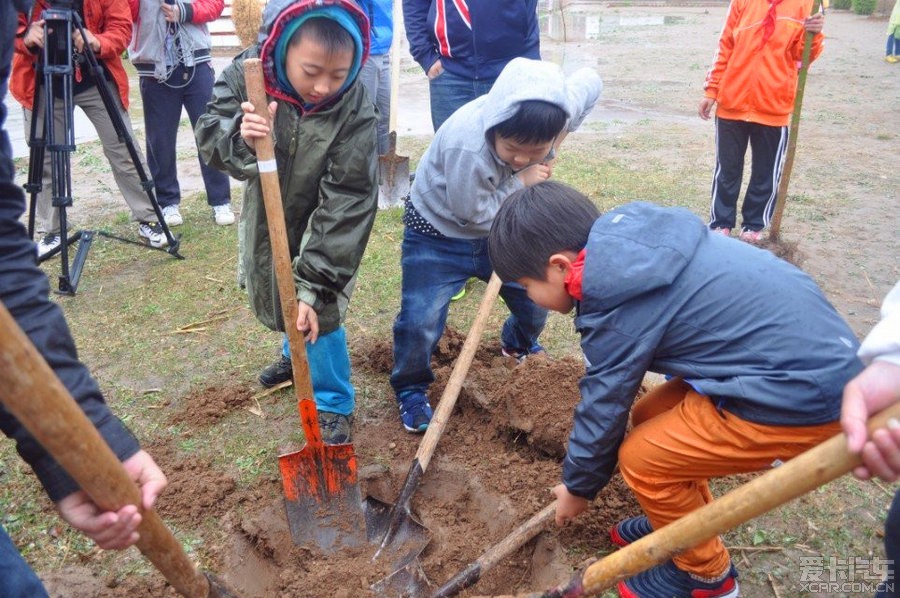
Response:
column 767, row 146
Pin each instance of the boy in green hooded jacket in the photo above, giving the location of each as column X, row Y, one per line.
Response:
column 324, row 133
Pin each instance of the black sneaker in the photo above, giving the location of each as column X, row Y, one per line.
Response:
column 335, row 428
column 48, row 243
column 278, row 372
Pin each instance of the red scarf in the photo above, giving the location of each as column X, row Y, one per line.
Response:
column 573, row 278
column 768, row 24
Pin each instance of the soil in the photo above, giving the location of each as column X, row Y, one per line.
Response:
column 500, row 454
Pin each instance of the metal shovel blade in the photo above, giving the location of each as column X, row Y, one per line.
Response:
column 322, row 499
column 407, row 579
column 393, row 176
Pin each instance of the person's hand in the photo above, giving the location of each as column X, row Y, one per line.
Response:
column 307, row 321
column 705, row 109
column 874, row 389
column 436, row 69
column 534, row 174
column 568, row 506
column 814, row 23
column 115, row 529
column 171, row 12
column 78, row 41
column 34, row 36
column 253, row 126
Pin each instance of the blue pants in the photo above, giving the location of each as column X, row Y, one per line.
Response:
column 191, row 88
column 767, row 146
column 375, row 75
column 434, row 269
column 449, row 92
column 329, row 370
column 893, row 46
column 17, row 580
column 892, row 549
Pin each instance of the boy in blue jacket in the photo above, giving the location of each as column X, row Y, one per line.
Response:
column 487, row 149
column 755, row 375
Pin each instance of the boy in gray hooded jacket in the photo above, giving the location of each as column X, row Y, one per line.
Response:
column 494, row 145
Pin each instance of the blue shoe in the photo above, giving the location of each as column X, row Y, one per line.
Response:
column 520, row 354
column 415, row 413
column 668, row 581
column 630, row 530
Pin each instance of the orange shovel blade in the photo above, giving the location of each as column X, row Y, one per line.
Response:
column 322, row 498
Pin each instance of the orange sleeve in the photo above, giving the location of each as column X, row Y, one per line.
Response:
column 116, row 33
column 724, row 51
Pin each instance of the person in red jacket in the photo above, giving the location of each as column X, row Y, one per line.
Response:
column 752, row 83
column 107, row 30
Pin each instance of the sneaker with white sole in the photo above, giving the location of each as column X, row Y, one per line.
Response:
column 223, row 214
column 172, row 215
column 48, row 243
column 668, row 581
column 153, row 233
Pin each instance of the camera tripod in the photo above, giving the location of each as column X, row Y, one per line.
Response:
column 53, row 74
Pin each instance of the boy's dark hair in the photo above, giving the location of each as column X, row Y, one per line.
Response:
column 327, row 32
column 533, row 224
column 535, row 121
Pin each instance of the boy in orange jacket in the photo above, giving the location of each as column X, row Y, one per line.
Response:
column 753, row 82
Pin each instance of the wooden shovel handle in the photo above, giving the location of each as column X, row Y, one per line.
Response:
column 458, row 375
column 496, row 553
column 287, row 291
column 34, row 395
column 802, row 474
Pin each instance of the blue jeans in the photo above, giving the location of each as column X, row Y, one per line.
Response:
column 375, row 76
column 892, row 549
column 191, row 88
column 329, row 370
column 449, row 92
column 893, row 46
column 434, row 269
column 17, row 580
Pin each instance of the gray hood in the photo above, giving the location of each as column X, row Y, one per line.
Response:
column 460, row 182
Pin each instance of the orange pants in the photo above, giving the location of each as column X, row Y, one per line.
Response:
column 680, row 440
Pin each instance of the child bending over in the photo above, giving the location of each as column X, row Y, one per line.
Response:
column 756, row 376
column 490, row 147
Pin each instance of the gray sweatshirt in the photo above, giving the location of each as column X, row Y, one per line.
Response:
column 460, row 181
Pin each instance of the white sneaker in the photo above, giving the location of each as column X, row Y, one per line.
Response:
column 223, row 214
column 153, row 232
column 48, row 243
column 172, row 215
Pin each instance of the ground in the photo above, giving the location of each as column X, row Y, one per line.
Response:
column 177, row 351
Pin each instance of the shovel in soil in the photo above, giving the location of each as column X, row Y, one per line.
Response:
column 321, row 495
column 32, row 393
column 393, row 170
column 402, row 537
column 802, row 474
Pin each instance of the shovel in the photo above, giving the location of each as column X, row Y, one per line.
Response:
column 514, row 541
column 804, row 473
column 393, row 170
column 403, row 536
column 34, row 395
column 322, row 498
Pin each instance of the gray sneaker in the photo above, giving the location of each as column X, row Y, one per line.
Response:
column 336, row 428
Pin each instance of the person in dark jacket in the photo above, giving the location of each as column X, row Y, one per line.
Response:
column 325, row 151
column 24, row 292
column 462, row 45
column 755, row 375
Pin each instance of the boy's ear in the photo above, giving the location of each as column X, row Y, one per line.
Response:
column 563, row 261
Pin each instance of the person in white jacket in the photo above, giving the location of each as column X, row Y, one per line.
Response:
column 875, row 388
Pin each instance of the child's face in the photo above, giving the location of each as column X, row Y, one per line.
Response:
column 314, row 73
column 551, row 292
column 518, row 155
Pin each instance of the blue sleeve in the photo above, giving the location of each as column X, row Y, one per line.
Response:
column 616, row 363
column 415, row 20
